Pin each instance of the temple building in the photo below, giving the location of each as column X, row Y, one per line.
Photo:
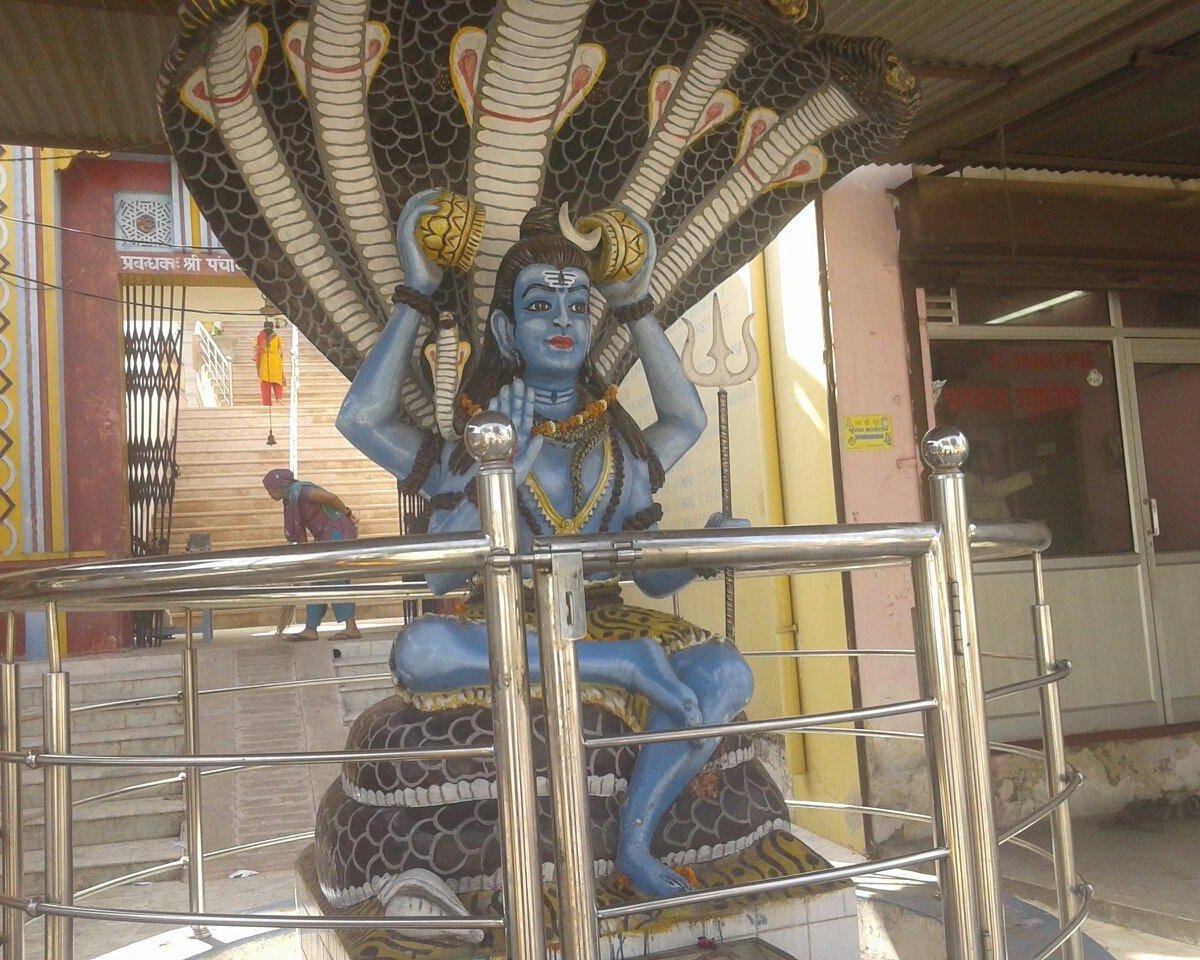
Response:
column 1032, row 279
column 899, row 302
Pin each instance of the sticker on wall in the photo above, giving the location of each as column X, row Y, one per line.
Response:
column 1094, row 377
column 872, row 431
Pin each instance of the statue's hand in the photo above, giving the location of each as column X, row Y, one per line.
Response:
column 723, row 521
column 516, row 402
column 618, row 293
column 420, row 272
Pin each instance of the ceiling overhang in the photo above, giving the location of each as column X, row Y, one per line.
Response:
column 1058, row 84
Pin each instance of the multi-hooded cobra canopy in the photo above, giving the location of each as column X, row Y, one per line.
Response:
column 302, row 129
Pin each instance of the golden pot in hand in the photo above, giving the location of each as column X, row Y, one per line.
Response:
column 451, row 234
column 622, row 249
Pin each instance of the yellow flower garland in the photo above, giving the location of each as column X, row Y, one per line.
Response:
column 550, row 428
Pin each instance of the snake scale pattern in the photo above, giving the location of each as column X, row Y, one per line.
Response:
column 301, row 128
column 386, row 817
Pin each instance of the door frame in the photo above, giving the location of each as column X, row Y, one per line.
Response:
column 1161, row 349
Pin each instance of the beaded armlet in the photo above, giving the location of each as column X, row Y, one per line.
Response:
column 412, row 297
column 445, row 501
column 629, row 312
column 427, row 456
column 644, row 518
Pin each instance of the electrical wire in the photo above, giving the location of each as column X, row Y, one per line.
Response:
column 46, row 159
column 100, row 296
column 147, row 148
column 99, row 236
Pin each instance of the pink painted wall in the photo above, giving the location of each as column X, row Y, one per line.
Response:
column 872, row 361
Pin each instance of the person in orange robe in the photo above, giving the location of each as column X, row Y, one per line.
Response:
column 268, row 355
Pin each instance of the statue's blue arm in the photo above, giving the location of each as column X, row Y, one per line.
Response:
column 460, row 519
column 661, row 583
column 681, row 418
column 370, row 417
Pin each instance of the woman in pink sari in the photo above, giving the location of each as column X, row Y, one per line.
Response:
column 309, row 509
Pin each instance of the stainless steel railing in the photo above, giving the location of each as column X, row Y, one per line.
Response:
column 951, row 703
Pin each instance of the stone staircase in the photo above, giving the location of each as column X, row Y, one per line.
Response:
column 222, row 456
column 359, row 658
column 127, row 833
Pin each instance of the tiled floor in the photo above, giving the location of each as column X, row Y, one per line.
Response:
column 255, row 805
column 1146, row 878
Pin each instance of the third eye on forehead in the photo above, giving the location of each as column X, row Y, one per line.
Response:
column 558, row 279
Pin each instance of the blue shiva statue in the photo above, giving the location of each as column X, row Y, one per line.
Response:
column 582, row 466
column 687, row 134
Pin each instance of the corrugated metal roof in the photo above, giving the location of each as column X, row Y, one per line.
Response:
column 81, row 72
column 82, row 75
column 1062, row 43
column 1028, row 36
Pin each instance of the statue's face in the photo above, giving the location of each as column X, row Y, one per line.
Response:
column 552, row 327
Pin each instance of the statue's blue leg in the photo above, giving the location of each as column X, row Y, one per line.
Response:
column 445, row 653
column 723, row 684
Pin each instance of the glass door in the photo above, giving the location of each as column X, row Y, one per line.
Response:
column 1166, row 379
column 1045, row 419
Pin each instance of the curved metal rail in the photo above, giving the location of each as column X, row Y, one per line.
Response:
column 1072, row 927
column 1010, row 538
column 761, row 726
column 181, row 862
column 813, row 724
column 259, row 845
column 1033, row 848
column 128, row 878
column 859, row 808
column 280, row 921
column 246, row 578
column 1062, row 668
column 160, row 581
column 35, row 759
column 852, row 652
column 816, row 878
column 1055, row 801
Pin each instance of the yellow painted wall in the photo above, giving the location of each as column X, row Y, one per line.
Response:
column 789, row 283
column 10, row 460
column 693, row 492
column 782, row 473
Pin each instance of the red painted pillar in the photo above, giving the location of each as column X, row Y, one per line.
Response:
column 93, row 363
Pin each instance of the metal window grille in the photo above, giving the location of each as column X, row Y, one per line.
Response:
column 941, row 304
column 152, row 324
column 144, row 221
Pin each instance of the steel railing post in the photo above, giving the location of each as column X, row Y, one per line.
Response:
column 944, row 746
column 10, row 791
column 56, row 738
column 944, row 450
column 562, row 620
column 193, row 801
column 1057, row 770
column 491, row 440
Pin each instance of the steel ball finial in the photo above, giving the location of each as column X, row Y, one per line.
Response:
column 945, row 448
column 490, row 437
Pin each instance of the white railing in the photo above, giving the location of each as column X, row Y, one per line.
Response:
column 214, row 370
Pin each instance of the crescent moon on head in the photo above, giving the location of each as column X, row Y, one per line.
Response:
column 585, row 241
